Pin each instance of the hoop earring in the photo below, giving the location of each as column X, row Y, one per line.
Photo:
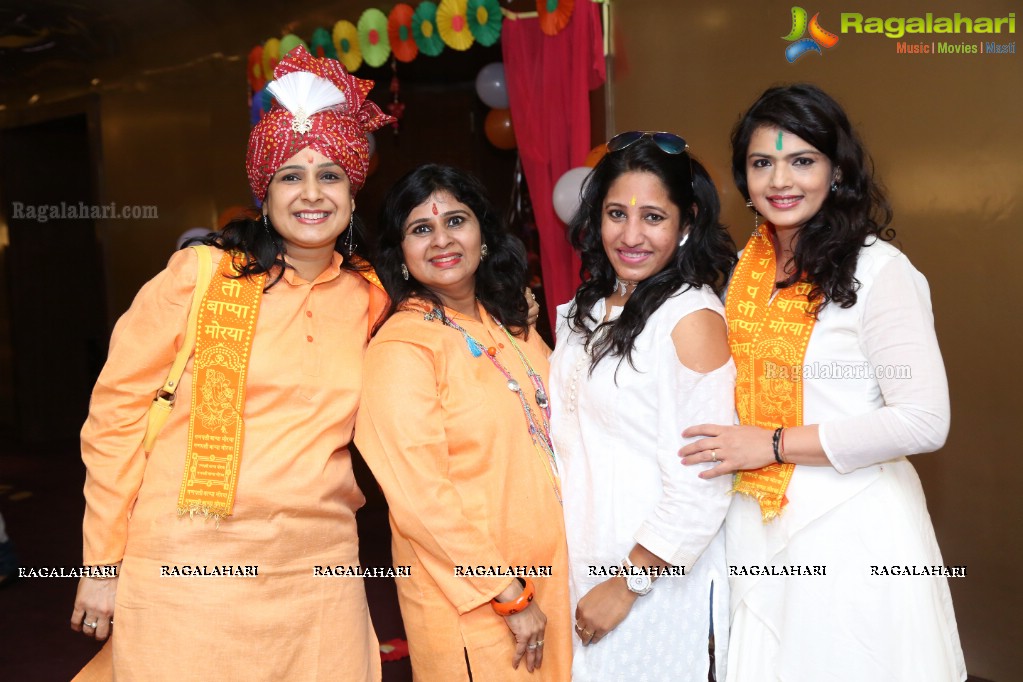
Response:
column 350, row 240
column 756, row 215
column 404, row 272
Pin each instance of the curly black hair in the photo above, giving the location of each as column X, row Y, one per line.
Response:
column 828, row 245
column 706, row 259
column 264, row 248
column 501, row 276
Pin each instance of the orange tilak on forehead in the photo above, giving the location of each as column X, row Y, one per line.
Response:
column 434, row 209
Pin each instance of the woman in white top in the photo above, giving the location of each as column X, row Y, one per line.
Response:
column 642, row 349
column 839, row 379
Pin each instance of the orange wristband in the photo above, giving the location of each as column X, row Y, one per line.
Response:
column 518, row 604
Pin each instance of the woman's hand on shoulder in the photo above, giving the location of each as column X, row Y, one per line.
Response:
column 729, row 448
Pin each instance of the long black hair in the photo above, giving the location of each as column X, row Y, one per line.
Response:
column 706, row 259
column 501, row 276
column 829, row 243
column 263, row 247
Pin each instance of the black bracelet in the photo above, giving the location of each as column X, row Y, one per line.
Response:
column 774, row 444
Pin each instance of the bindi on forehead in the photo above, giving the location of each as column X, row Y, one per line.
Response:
column 434, row 209
column 778, row 144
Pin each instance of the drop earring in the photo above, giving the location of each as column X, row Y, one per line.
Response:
column 350, row 241
column 834, row 185
column 404, row 272
column 266, row 225
column 483, row 252
column 756, row 215
column 682, row 242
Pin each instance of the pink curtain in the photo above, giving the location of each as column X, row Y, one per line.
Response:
column 548, row 80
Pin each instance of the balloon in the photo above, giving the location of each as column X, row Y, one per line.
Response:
column 595, row 155
column 567, row 191
column 191, row 233
column 491, row 86
column 499, row 130
column 371, row 138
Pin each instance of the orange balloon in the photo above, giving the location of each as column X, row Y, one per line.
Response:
column 499, row 129
column 233, row 213
column 595, row 155
column 374, row 161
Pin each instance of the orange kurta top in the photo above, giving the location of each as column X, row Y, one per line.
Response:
column 295, row 504
column 448, row 442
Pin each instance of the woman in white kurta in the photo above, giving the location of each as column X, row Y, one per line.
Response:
column 641, row 352
column 873, row 390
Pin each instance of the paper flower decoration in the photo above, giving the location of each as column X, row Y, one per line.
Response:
column 320, row 44
column 255, row 75
column 376, row 46
column 424, row 29
column 399, row 32
column 271, row 55
column 290, row 42
column 554, row 15
column 346, row 42
column 484, row 17
column 453, row 25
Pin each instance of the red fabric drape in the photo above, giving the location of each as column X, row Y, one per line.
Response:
column 548, row 80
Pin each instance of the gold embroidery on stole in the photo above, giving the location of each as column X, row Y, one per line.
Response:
column 768, row 341
column 223, row 344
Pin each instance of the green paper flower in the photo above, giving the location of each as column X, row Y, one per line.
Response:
column 376, row 46
column 484, row 17
column 321, row 45
column 289, row 43
column 424, row 29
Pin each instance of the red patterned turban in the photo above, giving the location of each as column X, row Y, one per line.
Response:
column 317, row 104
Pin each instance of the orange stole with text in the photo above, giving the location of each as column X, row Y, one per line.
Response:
column 768, row 338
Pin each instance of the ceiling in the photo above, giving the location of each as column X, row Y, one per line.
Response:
column 47, row 45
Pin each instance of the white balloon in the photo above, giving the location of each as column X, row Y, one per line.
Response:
column 371, row 138
column 567, row 192
column 492, row 87
column 191, row 233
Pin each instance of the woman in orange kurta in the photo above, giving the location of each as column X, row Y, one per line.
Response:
column 295, row 498
column 453, row 424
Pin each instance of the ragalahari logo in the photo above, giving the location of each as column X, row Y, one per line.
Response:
column 819, row 37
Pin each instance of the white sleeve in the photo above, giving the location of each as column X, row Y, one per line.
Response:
column 691, row 509
column 897, row 331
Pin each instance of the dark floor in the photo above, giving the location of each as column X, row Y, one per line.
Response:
column 41, row 502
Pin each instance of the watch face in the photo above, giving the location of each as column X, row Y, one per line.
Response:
column 639, row 583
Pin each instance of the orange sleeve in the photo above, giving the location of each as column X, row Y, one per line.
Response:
column 400, row 432
column 142, row 349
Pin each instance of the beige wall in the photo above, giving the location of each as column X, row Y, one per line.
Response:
column 944, row 131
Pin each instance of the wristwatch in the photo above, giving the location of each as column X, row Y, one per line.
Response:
column 638, row 583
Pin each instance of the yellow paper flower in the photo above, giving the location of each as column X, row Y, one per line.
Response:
column 453, row 25
column 346, row 42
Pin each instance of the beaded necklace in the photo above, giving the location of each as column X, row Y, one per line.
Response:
column 539, row 429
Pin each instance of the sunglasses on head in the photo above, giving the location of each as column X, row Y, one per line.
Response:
column 669, row 143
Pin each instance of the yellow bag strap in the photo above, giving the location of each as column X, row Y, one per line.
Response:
column 202, row 283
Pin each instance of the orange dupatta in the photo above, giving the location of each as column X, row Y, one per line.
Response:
column 768, row 338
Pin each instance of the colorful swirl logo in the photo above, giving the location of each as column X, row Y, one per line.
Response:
column 819, row 37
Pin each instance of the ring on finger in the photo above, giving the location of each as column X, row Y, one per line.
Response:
column 713, row 455
column 91, row 625
column 531, row 647
column 539, row 642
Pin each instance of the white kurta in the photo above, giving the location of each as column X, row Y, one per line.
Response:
column 875, row 382
column 623, row 483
